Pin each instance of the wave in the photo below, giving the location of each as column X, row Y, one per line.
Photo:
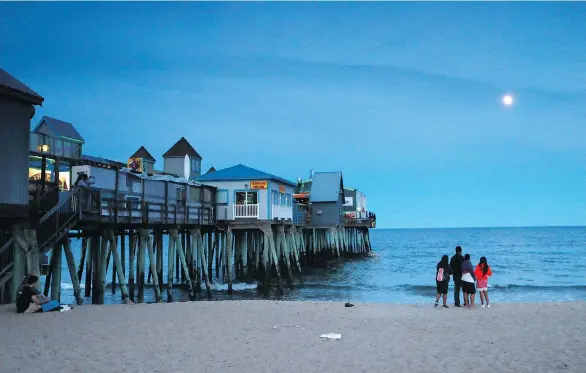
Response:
column 236, row 287
column 217, row 287
column 428, row 289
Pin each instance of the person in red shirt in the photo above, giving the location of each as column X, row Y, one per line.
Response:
column 482, row 273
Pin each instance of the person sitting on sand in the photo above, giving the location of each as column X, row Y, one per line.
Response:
column 482, row 273
column 442, row 279
column 27, row 299
column 468, row 279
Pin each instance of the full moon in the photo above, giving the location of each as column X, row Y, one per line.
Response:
column 507, row 100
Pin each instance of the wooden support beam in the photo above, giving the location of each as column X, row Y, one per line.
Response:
column 210, row 256
column 285, row 253
column 82, row 260
column 49, row 276
column 56, row 272
column 229, row 258
column 275, row 260
column 153, row 265
column 184, row 267
column 104, row 251
column 159, row 238
column 203, row 260
column 171, row 262
column 95, row 276
column 132, row 241
column 142, row 243
column 74, row 276
column 117, row 265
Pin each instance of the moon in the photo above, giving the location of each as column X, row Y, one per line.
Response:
column 507, row 100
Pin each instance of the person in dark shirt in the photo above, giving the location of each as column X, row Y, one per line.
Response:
column 27, row 300
column 456, row 265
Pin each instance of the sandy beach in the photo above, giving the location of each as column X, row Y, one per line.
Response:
column 272, row 336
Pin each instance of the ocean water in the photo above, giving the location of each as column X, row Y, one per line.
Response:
column 528, row 264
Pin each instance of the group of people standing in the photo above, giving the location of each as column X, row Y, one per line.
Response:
column 465, row 276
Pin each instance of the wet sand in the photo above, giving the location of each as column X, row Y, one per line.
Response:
column 273, row 336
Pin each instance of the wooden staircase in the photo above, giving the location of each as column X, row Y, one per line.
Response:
column 52, row 228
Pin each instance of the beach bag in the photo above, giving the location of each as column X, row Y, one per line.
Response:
column 440, row 275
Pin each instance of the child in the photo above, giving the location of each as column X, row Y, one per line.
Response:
column 482, row 273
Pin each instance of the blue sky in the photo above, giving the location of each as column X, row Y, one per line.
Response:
column 402, row 97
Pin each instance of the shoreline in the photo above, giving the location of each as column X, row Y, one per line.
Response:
column 258, row 335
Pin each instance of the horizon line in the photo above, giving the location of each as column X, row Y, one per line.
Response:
column 491, row 227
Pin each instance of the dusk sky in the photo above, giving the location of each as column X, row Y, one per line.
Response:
column 404, row 98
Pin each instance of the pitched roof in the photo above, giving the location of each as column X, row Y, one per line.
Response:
column 144, row 154
column 181, row 148
column 60, row 128
column 326, row 187
column 212, row 169
column 11, row 86
column 242, row 172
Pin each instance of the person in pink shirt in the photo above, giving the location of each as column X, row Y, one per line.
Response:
column 482, row 273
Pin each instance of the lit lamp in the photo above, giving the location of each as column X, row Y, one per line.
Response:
column 43, row 148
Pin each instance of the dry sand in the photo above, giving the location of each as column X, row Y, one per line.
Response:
column 265, row 336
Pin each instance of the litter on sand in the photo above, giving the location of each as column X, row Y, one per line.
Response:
column 332, row 336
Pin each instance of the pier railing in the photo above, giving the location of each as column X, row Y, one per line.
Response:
column 367, row 222
column 57, row 221
column 132, row 211
column 246, row 211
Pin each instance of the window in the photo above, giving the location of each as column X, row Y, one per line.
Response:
column 282, row 199
column 288, row 200
column 58, row 147
column 195, row 165
column 222, row 196
column 246, row 198
column 275, row 198
column 180, row 194
column 68, row 149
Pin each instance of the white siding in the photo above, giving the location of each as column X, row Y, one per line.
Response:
column 232, row 187
column 174, row 165
column 278, row 211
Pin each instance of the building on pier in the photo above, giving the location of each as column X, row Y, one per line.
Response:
column 248, row 194
column 142, row 161
column 326, row 199
column 174, row 159
column 17, row 107
column 354, row 205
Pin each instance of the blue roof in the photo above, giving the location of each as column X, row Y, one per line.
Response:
column 241, row 172
column 326, row 187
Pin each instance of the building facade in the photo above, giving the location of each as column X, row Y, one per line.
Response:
column 327, row 199
column 17, row 108
column 246, row 193
column 174, row 159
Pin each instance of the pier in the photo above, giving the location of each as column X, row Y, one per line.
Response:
column 234, row 224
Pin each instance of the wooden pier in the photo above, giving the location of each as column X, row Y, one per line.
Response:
column 243, row 227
